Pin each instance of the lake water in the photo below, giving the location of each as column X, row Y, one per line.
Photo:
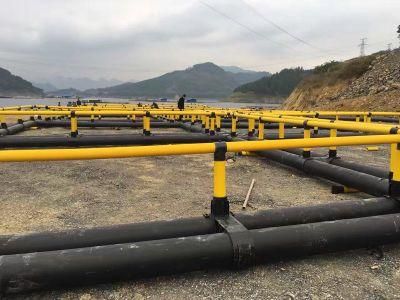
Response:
column 54, row 101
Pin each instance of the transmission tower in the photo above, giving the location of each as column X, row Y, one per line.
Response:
column 389, row 46
column 398, row 31
column 362, row 46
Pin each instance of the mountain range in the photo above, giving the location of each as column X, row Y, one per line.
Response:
column 11, row 85
column 79, row 83
column 205, row 80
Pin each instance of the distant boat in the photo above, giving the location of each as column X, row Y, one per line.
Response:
column 163, row 99
column 193, row 100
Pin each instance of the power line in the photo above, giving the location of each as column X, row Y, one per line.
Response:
column 279, row 27
column 242, row 25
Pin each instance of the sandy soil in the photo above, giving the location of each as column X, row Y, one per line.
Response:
column 60, row 195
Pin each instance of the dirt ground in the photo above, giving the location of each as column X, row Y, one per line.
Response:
column 41, row 196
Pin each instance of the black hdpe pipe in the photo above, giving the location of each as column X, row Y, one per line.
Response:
column 362, row 178
column 16, row 128
column 23, row 272
column 101, row 140
column 128, row 233
column 363, row 182
column 374, row 171
column 105, row 123
column 337, row 161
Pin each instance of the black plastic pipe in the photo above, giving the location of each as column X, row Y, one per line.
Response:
column 24, row 272
column 16, row 128
column 134, row 232
column 101, row 140
column 363, row 182
column 337, row 161
column 374, row 171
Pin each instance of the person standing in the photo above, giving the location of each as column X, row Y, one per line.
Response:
column 181, row 102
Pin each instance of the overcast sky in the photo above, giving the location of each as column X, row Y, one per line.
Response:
column 132, row 39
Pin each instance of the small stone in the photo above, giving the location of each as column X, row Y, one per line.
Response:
column 375, row 267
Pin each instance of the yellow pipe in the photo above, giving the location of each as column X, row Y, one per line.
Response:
column 212, row 125
column 307, row 135
column 74, row 125
column 234, row 125
column 395, row 162
column 219, row 179
column 218, row 122
column 251, row 125
column 182, row 149
column 260, row 130
column 207, row 118
column 281, row 130
column 332, row 134
column 146, row 125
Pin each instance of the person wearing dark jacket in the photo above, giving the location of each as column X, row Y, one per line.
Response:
column 181, row 102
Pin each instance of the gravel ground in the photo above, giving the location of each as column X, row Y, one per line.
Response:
column 60, row 195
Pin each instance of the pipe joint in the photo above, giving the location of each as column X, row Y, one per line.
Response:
column 220, row 151
column 242, row 242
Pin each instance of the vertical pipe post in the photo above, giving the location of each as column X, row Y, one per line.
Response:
column 369, row 117
column 307, row 135
column 260, row 129
column 333, row 150
column 146, row 123
column 207, row 129
column 218, row 123
column 394, row 176
column 281, row 130
column 74, row 124
column 220, row 203
column 234, row 126
column 2, row 122
column 203, row 121
column 251, row 126
column 212, row 123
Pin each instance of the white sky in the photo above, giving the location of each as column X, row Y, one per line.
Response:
column 132, row 39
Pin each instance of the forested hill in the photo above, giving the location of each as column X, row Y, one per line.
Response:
column 205, row 80
column 278, row 85
column 11, row 85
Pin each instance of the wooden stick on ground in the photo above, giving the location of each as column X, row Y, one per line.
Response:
column 248, row 194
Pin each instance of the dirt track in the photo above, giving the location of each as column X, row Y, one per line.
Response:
column 60, row 195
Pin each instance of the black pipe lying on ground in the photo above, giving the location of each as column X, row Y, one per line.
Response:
column 337, row 161
column 24, row 272
column 128, row 233
column 101, row 140
column 363, row 182
column 16, row 128
column 374, row 171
